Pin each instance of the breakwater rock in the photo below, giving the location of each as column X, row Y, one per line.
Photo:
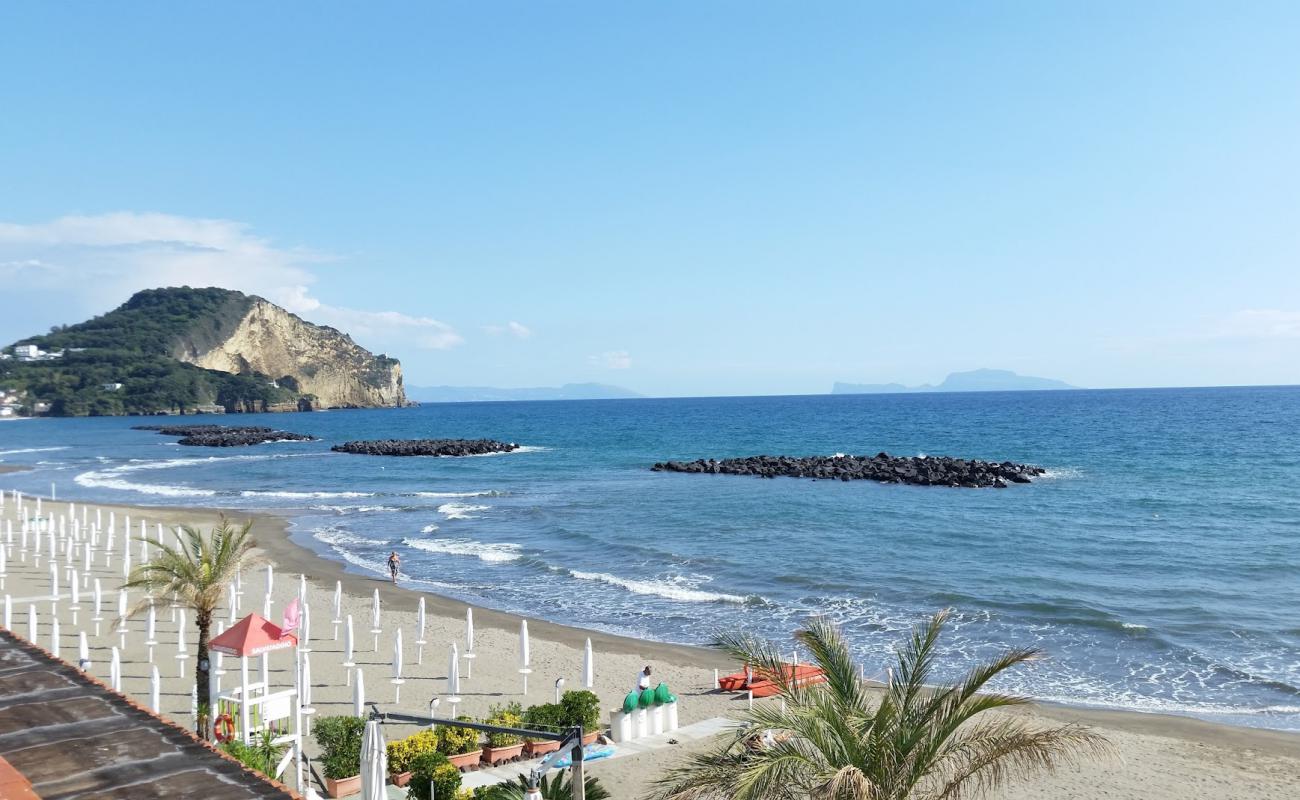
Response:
column 882, row 467
column 425, row 447
column 225, row 435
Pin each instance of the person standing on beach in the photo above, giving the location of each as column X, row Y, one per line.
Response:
column 394, row 562
column 643, row 680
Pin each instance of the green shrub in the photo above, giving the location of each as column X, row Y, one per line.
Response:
column 339, row 739
column 544, row 717
column 432, row 768
column 453, row 741
column 581, row 707
column 508, row 716
column 401, row 752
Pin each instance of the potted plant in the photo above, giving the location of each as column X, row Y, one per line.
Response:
column 543, row 717
column 339, row 739
column 433, row 769
column 503, row 747
column 403, row 752
column 581, row 707
column 459, row 745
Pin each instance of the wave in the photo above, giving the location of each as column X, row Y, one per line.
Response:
column 487, row 493
column 356, row 509
column 111, row 478
column 492, row 553
column 430, row 528
column 30, row 450
column 340, row 537
column 523, row 448
column 304, row 495
column 1060, row 472
column 460, row 510
column 670, row 588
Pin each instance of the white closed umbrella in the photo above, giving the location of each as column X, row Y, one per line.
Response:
column 115, row 670
column 122, row 604
column 525, row 658
column 359, row 694
column 182, row 652
column 453, row 676
column 83, row 652
column 126, row 555
column 337, row 609
column 54, row 582
column 54, row 635
column 98, row 606
column 374, row 619
column 155, row 684
column 397, row 667
column 302, row 588
column 232, row 600
column 9, row 613
column 270, row 578
column 419, row 637
column 588, row 667
column 31, row 623
column 3, row 565
column 151, row 630
column 305, row 692
column 75, row 588
column 374, row 763
column 304, row 629
column 469, row 643
column 348, row 661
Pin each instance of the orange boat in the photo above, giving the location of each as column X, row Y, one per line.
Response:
column 754, row 681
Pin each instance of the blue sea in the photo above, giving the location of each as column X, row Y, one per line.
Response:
column 1157, row 564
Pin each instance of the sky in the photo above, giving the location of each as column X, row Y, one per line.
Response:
column 683, row 198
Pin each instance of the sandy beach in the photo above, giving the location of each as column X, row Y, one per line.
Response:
column 1157, row 757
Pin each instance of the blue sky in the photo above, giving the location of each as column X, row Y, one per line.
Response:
column 682, row 198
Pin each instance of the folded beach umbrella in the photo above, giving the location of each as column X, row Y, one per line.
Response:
column 75, row 587
column 54, row 582
column 525, row 659
column 374, row 618
column 31, row 623
column 115, row 670
column 302, row 588
column 588, row 667
column 97, row 606
column 306, row 679
column 3, row 565
column 232, row 600
column 154, row 685
column 54, row 635
column 151, row 630
column 270, row 580
column 182, row 652
column 337, row 619
column 453, row 677
column 304, row 629
column 83, row 652
column 419, row 634
column 469, row 643
column 397, row 667
column 374, row 763
column 126, row 558
column 9, row 613
column 359, row 695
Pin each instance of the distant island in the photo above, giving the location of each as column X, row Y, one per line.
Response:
column 976, row 380
column 182, row 350
column 473, row 394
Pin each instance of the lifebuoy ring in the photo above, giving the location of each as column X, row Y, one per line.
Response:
column 223, row 728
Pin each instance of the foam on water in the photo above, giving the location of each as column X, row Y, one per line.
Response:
column 492, row 553
column 30, row 450
column 460, row 510
column 674, row 588
column 486, row 493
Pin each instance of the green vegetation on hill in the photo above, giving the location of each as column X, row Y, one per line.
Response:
column 133, row 346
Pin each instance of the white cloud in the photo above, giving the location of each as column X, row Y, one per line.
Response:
column 98, row 261
column 1260, row 323
column 518, row 330
column 612, row 359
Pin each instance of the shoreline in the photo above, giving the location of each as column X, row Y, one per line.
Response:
column 1155, row 756
column 290, row 556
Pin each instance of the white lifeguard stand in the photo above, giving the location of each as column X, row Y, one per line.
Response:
column 253, row 706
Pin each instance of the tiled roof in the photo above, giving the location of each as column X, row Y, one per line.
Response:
column 72, row 737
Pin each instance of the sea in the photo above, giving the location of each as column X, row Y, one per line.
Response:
column 1156, row 565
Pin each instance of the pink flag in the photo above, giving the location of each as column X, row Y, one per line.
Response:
column 291, row 615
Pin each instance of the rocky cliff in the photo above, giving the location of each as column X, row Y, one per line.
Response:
column 320, row 360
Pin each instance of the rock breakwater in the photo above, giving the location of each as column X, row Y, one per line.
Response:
column 882, row 468
column 425, row 447
column 225, row 435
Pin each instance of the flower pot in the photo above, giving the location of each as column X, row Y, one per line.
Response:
column 400, row 778
column 501, row 755
column 540, row 748
column 590, row 737
column 343, row 787
column 464, row 761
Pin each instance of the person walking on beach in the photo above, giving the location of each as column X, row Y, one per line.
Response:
column 394, row 562
column 643, row 680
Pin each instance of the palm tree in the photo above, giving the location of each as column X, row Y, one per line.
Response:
column 196, row 572
column 558, row 789
column 842, row 740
